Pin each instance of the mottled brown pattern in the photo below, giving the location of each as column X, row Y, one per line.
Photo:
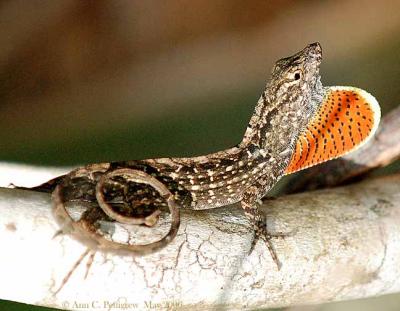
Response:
column 243, row 173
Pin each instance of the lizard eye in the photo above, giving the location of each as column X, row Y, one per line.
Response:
column 295, row 76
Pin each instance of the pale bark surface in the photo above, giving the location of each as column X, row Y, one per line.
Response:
column 344, row 244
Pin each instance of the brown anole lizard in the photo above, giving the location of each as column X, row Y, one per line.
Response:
column 297, row 123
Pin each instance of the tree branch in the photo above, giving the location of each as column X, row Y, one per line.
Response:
column 343, row 244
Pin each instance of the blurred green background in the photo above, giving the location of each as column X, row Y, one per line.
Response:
column 92, row 81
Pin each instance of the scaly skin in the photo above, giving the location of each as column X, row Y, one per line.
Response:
column 243, row 173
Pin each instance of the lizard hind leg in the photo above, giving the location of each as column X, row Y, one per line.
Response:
column 121, row 215
column 140, row 177
column 99, row 224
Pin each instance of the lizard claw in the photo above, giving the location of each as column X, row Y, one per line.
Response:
column 267, row 237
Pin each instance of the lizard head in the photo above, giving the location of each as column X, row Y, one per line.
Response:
column 290, row 99
column 295, row 87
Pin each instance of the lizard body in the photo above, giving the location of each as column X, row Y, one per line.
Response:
column 133, row 192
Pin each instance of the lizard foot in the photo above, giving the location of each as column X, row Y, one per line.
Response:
column 262, row 233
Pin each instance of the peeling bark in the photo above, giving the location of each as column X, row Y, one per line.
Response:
column 343, row 243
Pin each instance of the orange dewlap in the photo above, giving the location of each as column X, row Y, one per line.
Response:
column 346, row 119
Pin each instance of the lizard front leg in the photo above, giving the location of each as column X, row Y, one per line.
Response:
column 249, row 204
